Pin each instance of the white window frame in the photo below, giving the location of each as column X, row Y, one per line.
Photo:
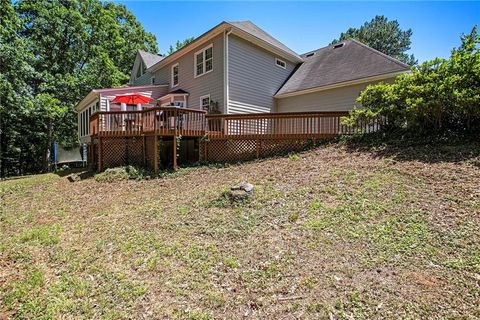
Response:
column 204, row 63
column 84, row 121
column 152, row 80
column 178, row 74
column 281, row 61
column 81, row 124
column 201, row 101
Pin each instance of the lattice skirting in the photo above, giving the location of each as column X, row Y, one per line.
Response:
column 119, row 151
column 225, row 150
column 109, row 152
column 150, row 152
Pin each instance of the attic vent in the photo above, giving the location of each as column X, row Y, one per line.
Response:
column 338, row 45
column 310, row 54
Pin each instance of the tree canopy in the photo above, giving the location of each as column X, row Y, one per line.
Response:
column 439, row 95
column 383, row 35
column 179, row 45
column 53, row 53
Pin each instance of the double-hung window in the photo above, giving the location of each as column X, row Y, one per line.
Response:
column 175, row 75
column 204, row 61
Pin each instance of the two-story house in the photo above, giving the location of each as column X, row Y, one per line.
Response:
column 237, row 68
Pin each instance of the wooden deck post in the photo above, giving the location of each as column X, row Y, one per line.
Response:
column 175, row 152
column 155, row 154
column 100, row 154
column 175, row 140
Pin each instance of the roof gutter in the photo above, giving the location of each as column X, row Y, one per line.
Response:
column 342, row 84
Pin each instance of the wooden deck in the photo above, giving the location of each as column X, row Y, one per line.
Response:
column 232, row 137
column 155, row 121
column 292, row 125
column 196, row 123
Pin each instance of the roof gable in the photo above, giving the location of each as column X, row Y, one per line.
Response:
column 336, row 64
column 148, row 60
column 254, row 30
column 245, row 28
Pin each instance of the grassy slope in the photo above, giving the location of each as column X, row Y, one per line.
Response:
column 331, row 232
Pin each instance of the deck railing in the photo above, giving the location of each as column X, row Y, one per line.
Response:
column 158, row 120
column 171, row 121
column 284, row 125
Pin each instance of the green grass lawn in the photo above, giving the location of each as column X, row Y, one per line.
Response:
column 330, row 233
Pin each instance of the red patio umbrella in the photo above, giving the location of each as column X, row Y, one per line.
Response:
column 132, row 98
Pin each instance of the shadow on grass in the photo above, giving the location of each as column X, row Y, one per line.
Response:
column 404, row 146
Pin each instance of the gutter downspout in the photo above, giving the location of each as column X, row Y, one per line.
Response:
column 226, row 93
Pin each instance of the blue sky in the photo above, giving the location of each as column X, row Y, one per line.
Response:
column 308, row 25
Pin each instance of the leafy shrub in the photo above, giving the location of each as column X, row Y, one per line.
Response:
column 439, row 95
column 120, row 173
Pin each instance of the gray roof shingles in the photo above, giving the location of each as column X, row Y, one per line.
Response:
column 149, row 58
column 330, row 65
column 249, row 27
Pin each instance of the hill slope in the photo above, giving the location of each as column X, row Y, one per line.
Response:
column 330, row 233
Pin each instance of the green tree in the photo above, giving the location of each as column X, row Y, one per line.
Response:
column 383, row 35
column 439, row 95
column 49, row 114
column 179, row 45
column 16, row 77
column 54, row 52
column 465, row 70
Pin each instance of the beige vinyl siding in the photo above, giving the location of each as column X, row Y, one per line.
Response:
column 210, row 83
column 253, row 77
column 84, row 121
column 143, row 80
column 339, row 99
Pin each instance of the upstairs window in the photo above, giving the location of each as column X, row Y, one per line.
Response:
column 152, row 80
column 175, row 75
column 204, row 61
column 280, row 63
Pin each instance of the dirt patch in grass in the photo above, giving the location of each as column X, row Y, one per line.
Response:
column 333, row 232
